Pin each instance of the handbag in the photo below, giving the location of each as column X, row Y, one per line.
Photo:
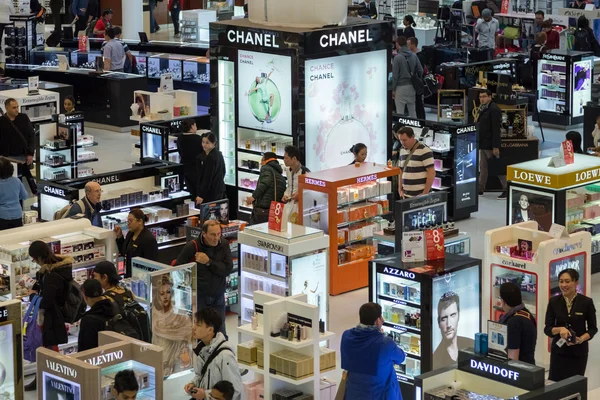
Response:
column 32, row 331
column 341, row 392
column 512, row 32
column 417, row 82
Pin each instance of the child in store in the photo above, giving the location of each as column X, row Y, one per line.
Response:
column 126, row 385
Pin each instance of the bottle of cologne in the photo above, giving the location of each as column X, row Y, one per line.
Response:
column 315, row 215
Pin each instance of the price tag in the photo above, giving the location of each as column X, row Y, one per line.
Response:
column 413, row 246
column 568, row 152
column 557, row 231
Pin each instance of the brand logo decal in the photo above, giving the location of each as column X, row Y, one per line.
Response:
column 252, row 38
column 107, row 179
column 368, row 178
column 466, row 129
column 105, row 358
column 315, row 182
column 53, row 190
column 61, row 369
column 151, row 129
column 345, row 38
column 269, row 246
column 494, row 370
column 399, row 272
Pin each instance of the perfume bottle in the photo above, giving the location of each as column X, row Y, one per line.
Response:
column 315, row 215
column 274, row 147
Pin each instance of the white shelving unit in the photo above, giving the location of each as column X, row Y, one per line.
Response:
column 38, row 108
column 269, row 308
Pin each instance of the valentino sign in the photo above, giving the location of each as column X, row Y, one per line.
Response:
column 61, row 369
column 105, row 358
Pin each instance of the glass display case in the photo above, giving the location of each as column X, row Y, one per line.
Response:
column 226, row 97
column 85, row 59
column 48, row 56
column 452, row 106
column 166, row 63
column 286, row 263
column 419, row 302
column 564, row 86
column 196, row 70
column 11, row 349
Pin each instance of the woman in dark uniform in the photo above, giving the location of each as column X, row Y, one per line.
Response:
column 139, row 242
column 570, row 322
column 359, row 150
column 211, row 171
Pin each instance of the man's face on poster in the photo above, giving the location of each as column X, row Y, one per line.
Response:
column 524, row 202
column 448, row 321
column 224, row 211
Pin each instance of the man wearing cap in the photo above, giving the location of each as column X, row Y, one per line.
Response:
column 521, row 328
column 94, row 320
column 486, row 30
column 106, row 273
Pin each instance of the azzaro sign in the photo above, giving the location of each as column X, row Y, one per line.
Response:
column 399, row 272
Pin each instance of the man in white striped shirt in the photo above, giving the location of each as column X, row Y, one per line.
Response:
column 416, row 165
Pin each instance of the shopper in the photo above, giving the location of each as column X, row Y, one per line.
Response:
column 520, row 324
column 113, row 52
column 129, row 61
column 6, row 10
column 409, row 23
column 211, row 175
column 360, row 152
column 596, row 135
column 486, row 30
column 584, row 38
column 154, row 27
column 214, row 263
column 448, row 319
column 270, row 187
column 55, row 7
column 174, row 7
column 571, row 323
column 552, row 38
column 222, row 390
column 103, row 23
column 92, row 12
column 488, row 125
column 416, row 165
column 91, row 204
column 369, row 358
column 12, row 192
column 101, row 310
column 189, row 146
column 539, row 19
column 79, row 9
column 579, row 4
column 405, row 68
column 126, row 385
column 575, row 138
column 139, row 242
column 213, row 347
column 18, row 140
column 291, row 159
column 69, row 104
column 246, row 10
column 106, row 273
column 535, row 54
column 52, row 279
column 413, row 45
column 368, row 9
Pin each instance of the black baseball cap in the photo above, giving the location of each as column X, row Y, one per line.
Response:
column 91, row 288
column 107, row 268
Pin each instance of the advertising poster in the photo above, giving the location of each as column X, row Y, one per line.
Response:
column 308, row 277
column 582, row 85
column 455, row 314
column 577, row 262
column 7, row 360
column 466, row 170
column 215, row 210
column 346, row 103
column 265, row 92
column 497, row 340
column 56, row 388
column 531, row 205
column 172, row 319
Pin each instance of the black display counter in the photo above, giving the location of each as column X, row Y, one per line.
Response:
column 190, row 49
column 105, row 99
column 590, row 112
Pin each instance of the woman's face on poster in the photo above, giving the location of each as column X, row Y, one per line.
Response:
column 164, row 296
column 524, row 202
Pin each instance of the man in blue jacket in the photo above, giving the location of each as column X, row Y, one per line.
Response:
column 369, row 357
column 79, row 8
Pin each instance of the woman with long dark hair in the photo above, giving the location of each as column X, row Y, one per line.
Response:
column 409, row 24
column 211, row 172
column 139, row 242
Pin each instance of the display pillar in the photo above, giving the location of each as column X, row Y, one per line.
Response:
column 131, row 11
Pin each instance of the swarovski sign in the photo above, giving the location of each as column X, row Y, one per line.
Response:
column 269, row 246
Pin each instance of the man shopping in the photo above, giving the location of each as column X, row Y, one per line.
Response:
column 488, row 124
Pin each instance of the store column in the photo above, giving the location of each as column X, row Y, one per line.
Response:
column 131, row 11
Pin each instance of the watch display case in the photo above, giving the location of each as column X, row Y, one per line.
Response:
column 452, row 106
column 419, row 305
column 287, row 263
column 20, row 37
column 349, row 203
column 48, row 56
column 534, row 271
column 194, row 25
column 564, row 86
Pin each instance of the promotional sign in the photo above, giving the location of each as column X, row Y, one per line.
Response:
column 413, row 246
column 265, row 91
column 8, row 359
column 466, row 169
column 55, row 388
column 346, row 104
column 309, row 277
column 576, row 262
column 166, row 82
column 455, row 314
column 582, row 85
column 33, row 85
column 83, row 44
column 215, row 210
column 152, row 140
column 497, row 340
column 434, row 240
column 531, row 205
column 276, row 216
column 567, row 152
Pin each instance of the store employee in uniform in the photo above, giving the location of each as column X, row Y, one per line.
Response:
column 570, row 322
column 139, row 242
column 520, row 324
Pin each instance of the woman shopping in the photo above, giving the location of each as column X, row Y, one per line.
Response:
column 189, row 146
column 211, row 182
column 52, row 279
column 139, row 242
column 12, row 192
column 270, row 187
column 571, row 323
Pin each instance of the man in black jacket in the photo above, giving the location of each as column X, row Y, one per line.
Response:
column 94, row 320
column 213, row 264
column 520, row 323
column 91, row 204
column 488, row 124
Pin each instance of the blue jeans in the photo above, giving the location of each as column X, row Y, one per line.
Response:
column 217, row 303
column 153, row 24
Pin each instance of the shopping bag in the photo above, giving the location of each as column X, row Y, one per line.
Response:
column 276, row 216
column 341, row 392
column 290, row 213
column 32, row 332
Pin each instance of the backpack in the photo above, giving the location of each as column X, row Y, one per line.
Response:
column 89, row 30
column 119, row 325
column 33, row 333
column 582, row 40
column 193, row 258
column 74, row 306
column 134, row 314
column 63, row 212
column 212, row 356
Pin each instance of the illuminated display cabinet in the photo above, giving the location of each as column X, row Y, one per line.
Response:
column 568, row 195
column 322, row 90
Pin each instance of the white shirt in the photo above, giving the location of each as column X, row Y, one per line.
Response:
column 486, row 33
column 6, row 10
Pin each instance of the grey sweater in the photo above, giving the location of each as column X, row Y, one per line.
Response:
column 404, row 65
